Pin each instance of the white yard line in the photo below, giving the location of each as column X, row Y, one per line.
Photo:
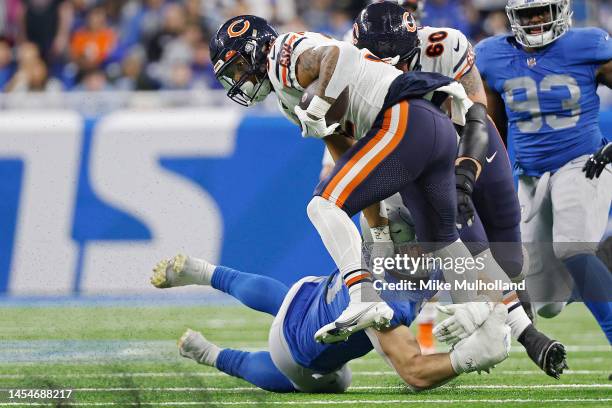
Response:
column 315, row 402
column 220, row 374
column 360, row 388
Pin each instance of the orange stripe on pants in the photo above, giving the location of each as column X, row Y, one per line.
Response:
column 376, row 160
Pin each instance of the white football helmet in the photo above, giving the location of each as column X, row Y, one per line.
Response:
column 541, row 34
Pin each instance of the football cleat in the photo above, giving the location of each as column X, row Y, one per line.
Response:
column 167, row 273
column 195, row 346
column 356, row 317
column 553, row 359
column 182, row 270
column 549, row 355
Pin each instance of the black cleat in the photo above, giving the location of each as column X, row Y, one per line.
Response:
column 549, row 355
column 554, row 360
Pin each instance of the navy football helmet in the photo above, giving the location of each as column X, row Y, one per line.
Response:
column 238, row 52
column 415, row 7
column 388, row 31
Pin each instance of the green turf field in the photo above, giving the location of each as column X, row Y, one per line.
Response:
column 127, row 357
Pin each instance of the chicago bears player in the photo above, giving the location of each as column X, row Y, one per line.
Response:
column 250, row 60
column 296, row 362
column 541, row 82
column 381, row 28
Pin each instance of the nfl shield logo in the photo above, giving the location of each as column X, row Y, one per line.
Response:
column 531, row 62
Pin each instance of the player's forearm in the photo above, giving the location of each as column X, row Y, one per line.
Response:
column 400, row 349
column 474, row 142
column 426, row 372
column 604, row 74
column 337, row 144
column 497, row 111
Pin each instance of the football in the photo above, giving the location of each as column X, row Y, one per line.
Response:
column 336, row 111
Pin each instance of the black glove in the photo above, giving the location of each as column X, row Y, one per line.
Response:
column 465, row 174
column 598, row 161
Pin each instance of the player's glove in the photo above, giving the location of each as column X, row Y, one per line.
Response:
column 598, row 161
column 465, row 174
column 463, row 321
column 313, row 126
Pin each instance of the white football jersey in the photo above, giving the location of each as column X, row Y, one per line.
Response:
column 445, row 51
column 368, row 85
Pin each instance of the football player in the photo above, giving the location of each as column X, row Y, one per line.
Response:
column 541, row 83
column 403, row 143
column 296, row 362
column 381, row 28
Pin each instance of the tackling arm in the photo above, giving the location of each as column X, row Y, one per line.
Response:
column 399, row 347
column 604, row 74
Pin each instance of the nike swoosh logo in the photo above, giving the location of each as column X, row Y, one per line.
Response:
column 490, row 159
column 355, row 319
column 457, row 47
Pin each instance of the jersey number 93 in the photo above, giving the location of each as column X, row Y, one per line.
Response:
column 531, row 103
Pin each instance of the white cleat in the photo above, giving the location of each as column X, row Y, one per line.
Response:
column 195, row 346
column 488, row 345
column 356, row 317
column 167, row 273
column 181, row 270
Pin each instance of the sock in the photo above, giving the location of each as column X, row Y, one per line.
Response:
column 425, row 335
column 426, row 319
column 457, row 250
column 199, row 271
column 355, row 281
column 343, row 242
column 257, row 292
column 196, row 347
column 534, row 343
column 594, row 284
column 517, row 318
column 256, row 368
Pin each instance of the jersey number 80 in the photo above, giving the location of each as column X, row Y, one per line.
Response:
column 531, row 103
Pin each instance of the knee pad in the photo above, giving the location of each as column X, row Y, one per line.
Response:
column 549, row 310
column 565, row 250
column 314, row 207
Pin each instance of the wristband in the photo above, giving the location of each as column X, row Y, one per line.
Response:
column 318, row 107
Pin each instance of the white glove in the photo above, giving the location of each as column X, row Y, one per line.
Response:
column 465, row 319
column 314, row 127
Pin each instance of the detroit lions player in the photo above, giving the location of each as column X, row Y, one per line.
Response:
column 296, row 362
column 384, row 107
column 545, row 75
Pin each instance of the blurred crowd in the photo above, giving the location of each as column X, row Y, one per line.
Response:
column 94, row 45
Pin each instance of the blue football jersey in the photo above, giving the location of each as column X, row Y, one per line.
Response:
column 321, row 302
column 550, row 95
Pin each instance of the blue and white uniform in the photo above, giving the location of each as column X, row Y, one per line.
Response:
column 552, row 108
column 310, row 304
column 550, row 96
